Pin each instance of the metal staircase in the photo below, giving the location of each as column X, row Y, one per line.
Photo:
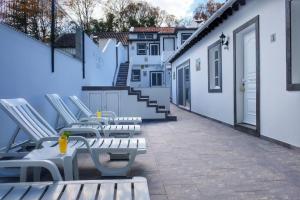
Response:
column 122, row 74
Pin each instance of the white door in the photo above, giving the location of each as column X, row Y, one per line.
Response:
column 112, row 102
column 249, row 80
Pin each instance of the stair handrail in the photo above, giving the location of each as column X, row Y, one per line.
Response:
column 129, row 75
column 115, row 75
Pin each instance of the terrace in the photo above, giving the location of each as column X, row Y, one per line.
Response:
column 191, row 158
column 196, row 158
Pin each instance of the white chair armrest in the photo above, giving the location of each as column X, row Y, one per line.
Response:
column 81, row 131
column 50, row 166
column 109, row 114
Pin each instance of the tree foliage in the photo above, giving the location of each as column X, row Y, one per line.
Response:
column 206, row 10
column 83, row 10
column 120, row 15
column 32, row 17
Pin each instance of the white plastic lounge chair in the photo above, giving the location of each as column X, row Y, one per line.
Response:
column 29, row 120
column 69, row 118
column 135, row 188
column 112, row 117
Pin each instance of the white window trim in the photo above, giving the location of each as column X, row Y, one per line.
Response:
column 216, row 88
column 138, row 50
column 150, row 49
column 162, row 78
column 135, row 78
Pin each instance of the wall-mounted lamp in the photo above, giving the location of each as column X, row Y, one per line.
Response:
column 224, row 41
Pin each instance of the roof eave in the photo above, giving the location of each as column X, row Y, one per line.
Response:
column 226, row 10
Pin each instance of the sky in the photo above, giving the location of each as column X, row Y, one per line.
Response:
column 179, row 8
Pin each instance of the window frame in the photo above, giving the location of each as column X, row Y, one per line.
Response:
column 290, row 86
column 143, row 36
column 164, row 38
column 214, row 45
column 158, row 49
column 182, row 34
column 132, row 75
column 137, row 48
column 162, row 78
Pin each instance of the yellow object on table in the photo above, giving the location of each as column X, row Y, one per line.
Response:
column 63, row 144
column 99, row 115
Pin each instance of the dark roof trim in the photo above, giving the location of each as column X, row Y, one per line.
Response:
column 176, row 29
column 218, row 18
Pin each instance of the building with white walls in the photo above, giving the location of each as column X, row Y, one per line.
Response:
column 149, row 49
column 242, row 68
column 114, row 48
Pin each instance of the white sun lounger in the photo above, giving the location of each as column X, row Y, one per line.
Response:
column 111, row 116
column 69, row 118
column 29, row 120
column 135, row 188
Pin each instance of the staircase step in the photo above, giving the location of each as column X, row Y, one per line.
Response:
column 152, row 105
column 162, row 110
column 143, row 99
column 171, row 118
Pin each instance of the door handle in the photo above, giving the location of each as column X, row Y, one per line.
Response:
column 242, row 88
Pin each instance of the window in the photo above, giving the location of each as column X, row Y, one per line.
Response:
column 198, row 64
column 168, row 44
column 184, row 37
column 136, row 75
column 154, row 49
column 293, row 45
column 141, row 48
column 215, row 67
column 156, row 78
column 145, row 36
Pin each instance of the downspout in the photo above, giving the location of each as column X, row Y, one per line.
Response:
column 117, row 66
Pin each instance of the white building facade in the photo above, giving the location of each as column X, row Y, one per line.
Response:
column 149, row 49
column 242, row 68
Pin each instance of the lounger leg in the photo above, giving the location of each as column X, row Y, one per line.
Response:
column 37, row 174
column 75, row 168
column 106, row 134
column 23, row 174
column 107, row 171
column 68, row 168
column 119, row 156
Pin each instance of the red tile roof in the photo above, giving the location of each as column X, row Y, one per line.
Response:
column 120, row 36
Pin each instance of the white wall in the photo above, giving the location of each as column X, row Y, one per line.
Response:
column 127, row 104
column 97, row 71
column 122, row 53
column 145, row 80
column 108, row 61
column 161, row 95
column 280, row 111
column 25, row 71
column 142, row 59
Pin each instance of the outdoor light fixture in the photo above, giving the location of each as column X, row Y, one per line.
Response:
column 224, row 40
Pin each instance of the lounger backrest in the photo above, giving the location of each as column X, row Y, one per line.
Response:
column 27, row 118
column 81, row 106
column 61, row 108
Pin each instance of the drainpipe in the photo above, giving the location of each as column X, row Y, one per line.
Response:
column 117, row 65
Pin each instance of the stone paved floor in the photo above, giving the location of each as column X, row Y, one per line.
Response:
column 196, row 158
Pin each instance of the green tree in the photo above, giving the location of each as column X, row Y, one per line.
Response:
column 127, row 13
